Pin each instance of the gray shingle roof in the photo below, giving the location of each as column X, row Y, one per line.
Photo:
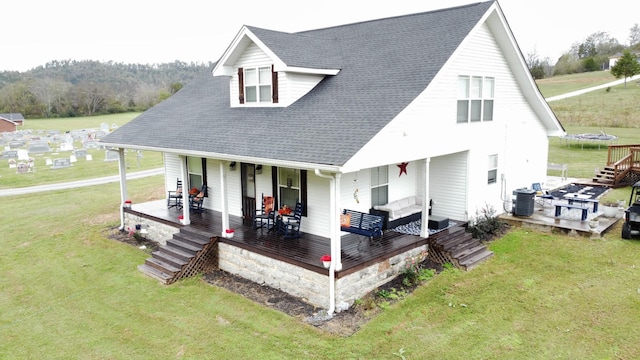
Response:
column 384, row 65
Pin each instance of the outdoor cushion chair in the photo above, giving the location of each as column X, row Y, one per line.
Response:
column 196, row 202
column 290, row 225
column 174, row 197
column 264, row 215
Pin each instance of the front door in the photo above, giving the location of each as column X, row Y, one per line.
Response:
column 248, row 174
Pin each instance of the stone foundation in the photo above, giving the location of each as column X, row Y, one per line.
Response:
column 156, row 231
column 307, row 285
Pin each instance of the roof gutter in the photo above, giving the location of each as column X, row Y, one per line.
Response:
column 332, row 266
column 229, row 157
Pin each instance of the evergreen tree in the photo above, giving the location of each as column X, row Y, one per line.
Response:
column 626, row 66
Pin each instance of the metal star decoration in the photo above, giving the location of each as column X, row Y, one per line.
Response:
column 403, row 168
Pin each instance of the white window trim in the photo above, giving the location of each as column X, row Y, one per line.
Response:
column 470, row 97
column 257, row 85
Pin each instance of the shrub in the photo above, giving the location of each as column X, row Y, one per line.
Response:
column 486, row 225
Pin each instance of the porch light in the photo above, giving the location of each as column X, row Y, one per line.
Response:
column 259, row 169
column 232, row 166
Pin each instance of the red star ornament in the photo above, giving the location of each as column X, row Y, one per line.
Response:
column 403, row 168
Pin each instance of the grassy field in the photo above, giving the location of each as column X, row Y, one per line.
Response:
column 563, row 84
column 68, row 291
column 82, row 169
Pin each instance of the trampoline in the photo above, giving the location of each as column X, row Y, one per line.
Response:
column 589, row 138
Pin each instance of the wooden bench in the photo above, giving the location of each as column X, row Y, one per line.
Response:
column 361, row 223
column 572, row 206
column 562, row 167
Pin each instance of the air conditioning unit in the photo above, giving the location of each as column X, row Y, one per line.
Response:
column 523, row 202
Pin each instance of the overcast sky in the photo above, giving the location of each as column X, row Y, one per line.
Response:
column 34, row 32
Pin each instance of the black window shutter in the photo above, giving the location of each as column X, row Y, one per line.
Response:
column 241, row 85
column 274, row 85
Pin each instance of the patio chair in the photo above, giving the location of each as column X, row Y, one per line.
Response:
column 174, row 197
column 541, row 196
column 264, row 215
column 196, row 202
column 290, row 225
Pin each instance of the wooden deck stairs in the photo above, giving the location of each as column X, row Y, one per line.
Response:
column 189, row 252
column 460, row 249
column 622, row 168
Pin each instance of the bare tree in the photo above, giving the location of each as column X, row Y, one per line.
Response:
column 634, row 35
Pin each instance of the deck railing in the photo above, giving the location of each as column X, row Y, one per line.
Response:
column 623, row 159
column 618, row 152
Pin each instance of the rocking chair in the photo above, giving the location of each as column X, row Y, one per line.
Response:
column 263, row 216
column 196, row 202
column 290, row 226
column 174, row 198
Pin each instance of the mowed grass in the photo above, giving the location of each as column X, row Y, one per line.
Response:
column 68, row 291
column 563, row 84
column 82, row 169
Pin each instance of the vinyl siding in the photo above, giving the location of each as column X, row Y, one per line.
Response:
column 291, row 86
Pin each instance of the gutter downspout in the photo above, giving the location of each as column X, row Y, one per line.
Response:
column 122, row 169
column 332, row 224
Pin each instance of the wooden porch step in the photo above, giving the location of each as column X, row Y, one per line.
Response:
column 162, row 266
column 155, row 273
column 461, row 249
column 181, row 256
column 168, row 258
column 475, row 260
column 182, row 245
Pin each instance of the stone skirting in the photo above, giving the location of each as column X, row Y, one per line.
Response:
column 308, row 285
column 157, row 231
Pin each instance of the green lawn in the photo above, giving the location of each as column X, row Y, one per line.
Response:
column 82, row 169
column 69, row 292
column 563, row 84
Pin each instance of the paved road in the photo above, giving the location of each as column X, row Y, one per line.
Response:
column 79, row 183
column 580, row 92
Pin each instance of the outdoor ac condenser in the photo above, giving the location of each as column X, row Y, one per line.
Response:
column 523, row 202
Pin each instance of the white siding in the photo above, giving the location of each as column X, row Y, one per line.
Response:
column 291, row 86
column 427, row 128
column 448, row 185
column 171, row 171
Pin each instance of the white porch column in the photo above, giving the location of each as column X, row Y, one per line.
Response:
column 184, row 174
column 336, row 245
column 122, row 169
column 424, row 231
column 224, row 203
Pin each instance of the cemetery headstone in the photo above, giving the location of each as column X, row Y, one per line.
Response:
column 10, row 154
column 111, row 155
column 61, row 163
column 39, row 147
column 80, row 154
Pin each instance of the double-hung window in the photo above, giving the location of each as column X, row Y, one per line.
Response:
column 379, row 185
column 492, row 175
column 475, row 99
column 257, row 85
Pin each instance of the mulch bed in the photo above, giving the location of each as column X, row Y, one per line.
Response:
column 343, row 323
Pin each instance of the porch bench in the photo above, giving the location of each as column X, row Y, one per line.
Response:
column 362, row 223
column 572, row 206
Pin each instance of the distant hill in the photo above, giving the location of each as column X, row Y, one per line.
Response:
column 68, row 88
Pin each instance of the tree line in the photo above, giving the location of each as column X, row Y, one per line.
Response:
column 70, row 88
column 590, row 54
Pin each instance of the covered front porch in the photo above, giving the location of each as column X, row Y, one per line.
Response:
column 357, row 252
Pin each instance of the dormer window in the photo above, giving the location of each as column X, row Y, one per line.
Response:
column 258, row 85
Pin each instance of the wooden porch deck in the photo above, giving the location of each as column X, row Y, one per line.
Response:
column 358, row 252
